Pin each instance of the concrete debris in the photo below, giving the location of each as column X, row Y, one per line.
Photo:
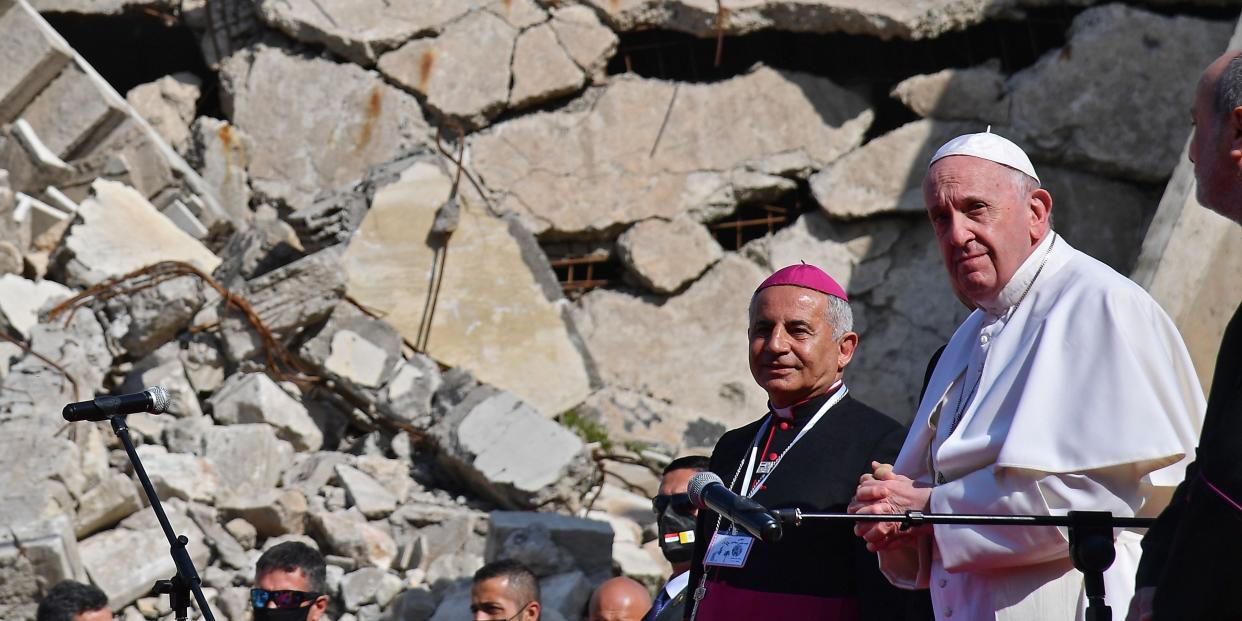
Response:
column 477, row 438
column 103, row 244
column 21, row 300
column 550, row 543
column 272, row 512
column 112, row 499
column 221, row 154
column 34, row 54
column 1103, row 217
column 149, row 318
column 973, row 93
column 566, row 593
column 72, row 113
column 168, row 105
column 355, row 348
column 267, row 244
column 306, row 136
column 203, row 362
column 364, row 586
column 407, row 397
column 498, row 313
column 854, row 253
column 663, row 256
column 124, row 562
column 227, row 548
column 312, row 471
column 542, row 68
column 412, row 605
column 249, row 458
column 630, row 416
column 164, row 368
column 34, row 555
column 255, row 398
column 33, row 388
column 704, row 148
column 348, row 534
column 392, row 474
column 330, row 220
column 242, row 531
column 365, row 493
column 589, row 43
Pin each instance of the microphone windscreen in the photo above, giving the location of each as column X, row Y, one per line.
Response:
column 696, row 485
column 159, row 399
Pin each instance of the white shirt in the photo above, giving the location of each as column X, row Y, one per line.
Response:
column 676, row 584
column 1077, row 395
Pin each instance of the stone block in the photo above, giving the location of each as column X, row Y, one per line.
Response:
column 164, row 368
column 356, row 29
column 125, row 563
column 249, row 458
column 21, row 299
column 176, row 475
column 392, row 474
column 74, row 113
column 479, row 442
column 407, row 397
column 350, row 535
column 355, row 348
column 228, row 550
column 498, row 314
column 112, row 499
column 34, row 54
column 244, row 532
column 330, row 220
column 38, row 554
column 33, row 388
column 663, row 256
column 365, row 493
column 149, row 318
column 220, row 153
column 359, row 588
column 103, row 243
column 312, row 471
column 272, row 512
column 970, row 94
column 551, row 543
column 255, row 398
column 168, row 105
column 203, row 362
column 589, row 42
column 566, row 593
column 412, row 605
column 542, row 68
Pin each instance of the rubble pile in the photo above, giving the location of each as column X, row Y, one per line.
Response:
column 343, row 275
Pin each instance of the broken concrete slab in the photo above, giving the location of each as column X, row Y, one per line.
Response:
column 551, row 543
column 103, row 244
column 480, row 44
column 267, row 244
column 1111, row 46
column 372, row 499
column 721, row 389
column 589, row 42
column 164, row 368
column 392, row 474
column 350, row 535
column 125, row 563
column 329, row 220
column 112, row 499
column 168, row 105
column 33, row 388
column 72, row 113
column 34, row 555
column 886, row 174
column 478, row 440
column 970, row 94
column 306, row 136
column 542, row 68
column 312, row 471
column 498, row 314
column 407, row 396
column 272, row 512
column 663, row 256
column 177, row 475
column 630, row 416
column 34, row 55
column 255, row 398
column 151, row 317
column 355, row 348
column 221, row 154
column 21, row 299
column 666, row 149
column 249, row 458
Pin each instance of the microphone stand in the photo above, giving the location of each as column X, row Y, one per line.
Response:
column 1090, row 538
column 179, row 587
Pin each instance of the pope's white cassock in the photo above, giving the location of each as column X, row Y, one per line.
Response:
column 1077, row 395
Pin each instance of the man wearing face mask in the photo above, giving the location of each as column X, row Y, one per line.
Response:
column 290, row 584
column 675, row 517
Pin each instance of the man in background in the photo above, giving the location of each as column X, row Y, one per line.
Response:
column 619, row 599
column 74, row 601
column 505, row 589
column 290, row 584
column 675, row 519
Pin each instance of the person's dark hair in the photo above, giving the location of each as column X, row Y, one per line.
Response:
column 291, row 556
column 1229, row 87
column 698, row 463
column 521, row 579
column 68, row 598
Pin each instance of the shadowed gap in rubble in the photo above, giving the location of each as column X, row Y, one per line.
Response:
column 138, row 47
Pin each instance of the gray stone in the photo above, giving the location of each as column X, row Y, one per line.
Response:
column 272, row 512
column 267, row 244
column 853, row 253
column 630, row 416
column 358, row 588
column 477, row 440
column 358, row 30
column 554, row 543
column 149, row 318
column 1104, row 218
column 112, row 499
column 249, row 458
column 454, row 601
column 311, row 471
column 665, row 255
column 255, row 398
column 666, row 149
column 479, row 45
column 228, row 550
column 103, row 243
column 330, row 220
column 132, row 154
column 242, row 531
column 1067, row 103
column 234, row 603
column 176, row 475
column 21, row 299
column 721, row 389
column 590, row 43
column 164, row 368
column 447, row 570
column 355, row 348
column 306, row 136
column 34, row 54
column 498, row 314
column 886, row 174
column 350, row 535
column 393, row 474
column 125, row 563
column 221, row 154
column 168, row 105
column 412, row 605
column 73, row 113
column 10, row 258
column 565, row 593
column 186, row 436
column 33, row 387
column 407, row 396
column 542, row 68
column 970, row 94
column 365, row 493
column 33, row 556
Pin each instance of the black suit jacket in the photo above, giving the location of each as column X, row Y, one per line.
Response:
column 675, row 609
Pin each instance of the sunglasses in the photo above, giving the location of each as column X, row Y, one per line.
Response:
column 283, row 599
column 680, row 503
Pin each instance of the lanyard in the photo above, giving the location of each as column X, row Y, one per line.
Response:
column 754, row 444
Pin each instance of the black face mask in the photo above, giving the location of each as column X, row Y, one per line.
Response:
column 281, row 614
column 676, row 534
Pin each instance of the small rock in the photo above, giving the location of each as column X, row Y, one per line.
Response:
column 255, row 398
column 21, row 299
column 272, row 512
column 359, row 588
column 352, row 536
column 244, row 532
column 371, row 498
column 168, row 104
column 972, row 94
column 220, row 153
column 248, row 458
column 665, row 255
column 110, row 500
column 542, row 69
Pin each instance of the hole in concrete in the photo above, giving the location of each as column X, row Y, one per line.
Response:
column 138, row 47
column 869, row 65
column 754, row 220
column 583, row 266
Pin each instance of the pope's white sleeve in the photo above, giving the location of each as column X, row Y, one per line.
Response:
column 1011, row 491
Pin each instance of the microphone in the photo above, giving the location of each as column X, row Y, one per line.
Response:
column 707, row 491
column 153, row 400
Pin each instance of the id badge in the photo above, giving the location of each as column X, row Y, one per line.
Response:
column 728, row 550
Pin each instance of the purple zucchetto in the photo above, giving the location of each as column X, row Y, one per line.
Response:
column 805, row 276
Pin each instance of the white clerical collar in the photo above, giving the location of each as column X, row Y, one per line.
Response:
column 1022, row 280
column 677, row 584
column 788, row 413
